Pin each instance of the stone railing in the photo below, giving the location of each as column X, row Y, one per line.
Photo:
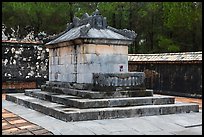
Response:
column 118, row 81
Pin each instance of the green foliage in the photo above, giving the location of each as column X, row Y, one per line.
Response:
column 160, row 26
column 167, row 45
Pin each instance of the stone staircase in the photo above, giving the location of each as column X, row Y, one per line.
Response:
column 79, row 105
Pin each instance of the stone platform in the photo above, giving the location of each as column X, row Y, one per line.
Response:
column 94, row 94
column 73, row 106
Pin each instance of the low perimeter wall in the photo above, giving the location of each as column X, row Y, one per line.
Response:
column 24, row 65
column 182, row 78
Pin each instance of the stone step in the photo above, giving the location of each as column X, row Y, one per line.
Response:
column 65, row 113
column 95, row 94
column 74, row 101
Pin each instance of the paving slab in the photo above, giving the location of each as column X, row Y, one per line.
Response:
column 162, row 123
column 190, row 131
column 98, row 130
column 75, row 130
column 126, row 132
column 140, row 125
column 185, row 120
column 162, row 132
column 115, row 127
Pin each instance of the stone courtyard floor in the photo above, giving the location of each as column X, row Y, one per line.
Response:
column 18, row 120
column 13, row 124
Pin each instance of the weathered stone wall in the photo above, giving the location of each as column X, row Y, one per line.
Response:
column 61, row 64
column 181, row 78
column 77, row 63
column 23, row 63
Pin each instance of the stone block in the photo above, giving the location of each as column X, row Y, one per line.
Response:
column 59, row 68
column 56, row 60
column 54, row 68
column 73, row 59
column 68, row 59
column 120, row 59
column 50, row 77
column 62, row 60
column 58, row 76
column 108, row 49
column 51, row 60
column 87, row 58
column 113, row 59
column 87, row 49
column 104, row 49
column 120, row 49
column 71, row 77
column 56, row 52
column 107, row 68
column 62, row 44
column 88, row 68
column 65, row 69
column 82, row 58
column 85, row 78
column 66, row 50
column 118, row 81
column 50, row 69
column 51, row 52
column 62, row 77
column 69, row 68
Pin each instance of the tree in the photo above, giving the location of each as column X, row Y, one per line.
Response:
column 160, row 26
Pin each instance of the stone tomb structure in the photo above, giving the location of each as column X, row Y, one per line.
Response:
column 89, row 78
column 91, row 55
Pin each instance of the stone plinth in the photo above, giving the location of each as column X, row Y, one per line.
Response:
column 118, row 81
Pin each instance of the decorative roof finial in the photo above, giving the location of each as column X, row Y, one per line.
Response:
column 96, row 12
column 85, row 16
column 76, row 21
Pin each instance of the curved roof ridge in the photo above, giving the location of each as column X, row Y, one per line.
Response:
column 92, row 27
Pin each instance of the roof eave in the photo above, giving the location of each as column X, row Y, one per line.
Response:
column 82, row 40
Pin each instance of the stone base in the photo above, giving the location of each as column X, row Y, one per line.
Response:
column 70, row 85
column 146, row 106
column 104, row 83
column 61, row 89
column 58, row 100
column 118, row 81
column 81, row 102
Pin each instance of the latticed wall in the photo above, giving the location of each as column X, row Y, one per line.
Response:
column 24, row 65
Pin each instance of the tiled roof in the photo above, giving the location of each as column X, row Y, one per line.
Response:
column 92, row 27
column 91, row 33
column 25, row 42
column 182, row 56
